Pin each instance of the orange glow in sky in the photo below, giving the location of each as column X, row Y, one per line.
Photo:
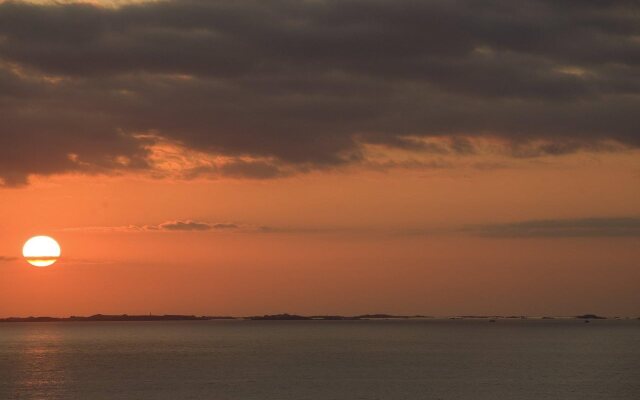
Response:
column 357, row 242
column 237, row 158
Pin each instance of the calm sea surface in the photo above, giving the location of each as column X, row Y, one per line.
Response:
column 227, row 360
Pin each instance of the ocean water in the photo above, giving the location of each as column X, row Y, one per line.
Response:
column 281, row 360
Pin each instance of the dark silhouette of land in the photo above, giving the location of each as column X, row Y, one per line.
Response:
column 272, row 317
column 275, row 317
column 124, row 317
column 589, row 316
column 293, row 317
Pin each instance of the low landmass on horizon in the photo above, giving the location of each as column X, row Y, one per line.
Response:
column 284, row 317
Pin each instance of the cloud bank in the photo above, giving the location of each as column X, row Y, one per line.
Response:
column 284, row 86
column 583, row 227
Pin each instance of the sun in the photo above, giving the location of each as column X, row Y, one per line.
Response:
column 41, row 251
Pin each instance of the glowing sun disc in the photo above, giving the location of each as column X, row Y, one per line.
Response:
column 41, row 251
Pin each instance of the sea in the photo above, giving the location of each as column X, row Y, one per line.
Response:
column 322, row 360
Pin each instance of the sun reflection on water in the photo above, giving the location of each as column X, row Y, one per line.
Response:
column 39, row 370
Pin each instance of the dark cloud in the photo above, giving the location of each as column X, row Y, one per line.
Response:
column 184, row 226
column 297, row 85
column 190, row 225
column 585, row 227
column 251, row 169
column 195, row 226
column 4, row 259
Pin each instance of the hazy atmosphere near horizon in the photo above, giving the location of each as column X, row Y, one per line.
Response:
column 320, row 157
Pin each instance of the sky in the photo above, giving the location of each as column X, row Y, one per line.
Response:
column 321, row 157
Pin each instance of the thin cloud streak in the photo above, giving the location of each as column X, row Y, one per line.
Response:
column 559, row 228
column 551, row 228
column 171, row 226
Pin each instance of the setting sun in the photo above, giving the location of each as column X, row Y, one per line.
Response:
column 41, row 251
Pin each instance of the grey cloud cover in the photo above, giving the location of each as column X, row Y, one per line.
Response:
column 303, row 84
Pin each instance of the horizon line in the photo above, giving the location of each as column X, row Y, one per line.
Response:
column 288, row 316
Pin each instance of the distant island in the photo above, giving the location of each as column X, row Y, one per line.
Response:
column 589, row 316
column 274, row 317
column 107, row 318
column 293, row 317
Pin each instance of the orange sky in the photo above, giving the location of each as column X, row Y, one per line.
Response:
column 345, row 242
column 230, row 157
